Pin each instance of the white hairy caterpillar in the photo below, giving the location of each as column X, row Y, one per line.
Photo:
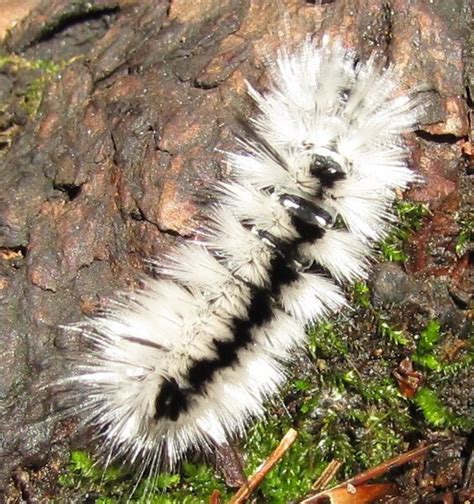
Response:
column 190, row 359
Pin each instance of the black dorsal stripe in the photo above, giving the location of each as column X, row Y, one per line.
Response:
column 260, row 310
column 173, row 400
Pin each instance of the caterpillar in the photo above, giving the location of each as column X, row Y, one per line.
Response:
column 187, row 361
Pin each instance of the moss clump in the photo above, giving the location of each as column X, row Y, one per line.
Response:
column 40, row 72
column 437, row 414
column 116, row 484
column 410, row 218
column 440, row 373
column 464, row 239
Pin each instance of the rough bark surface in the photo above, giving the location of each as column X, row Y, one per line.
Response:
column 130, row 130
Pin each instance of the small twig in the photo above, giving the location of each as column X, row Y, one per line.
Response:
column 327, row 475
column 246, row 490
column 215, row 497
column 388, row 465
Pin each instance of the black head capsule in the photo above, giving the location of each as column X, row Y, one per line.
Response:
column 326, row 169
column 306, row 211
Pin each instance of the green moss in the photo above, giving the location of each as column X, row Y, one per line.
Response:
column 359, row 420
column 83, row 470
column 410, row 219
column 361, row 295
column 395, row 336
column 437, row 414
column 293, row 475
column 116, row 484
column 43, row 72
column 325, row 340
column 33, row 95
column 464, row 238
column 426, row 350
column 428, row 356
